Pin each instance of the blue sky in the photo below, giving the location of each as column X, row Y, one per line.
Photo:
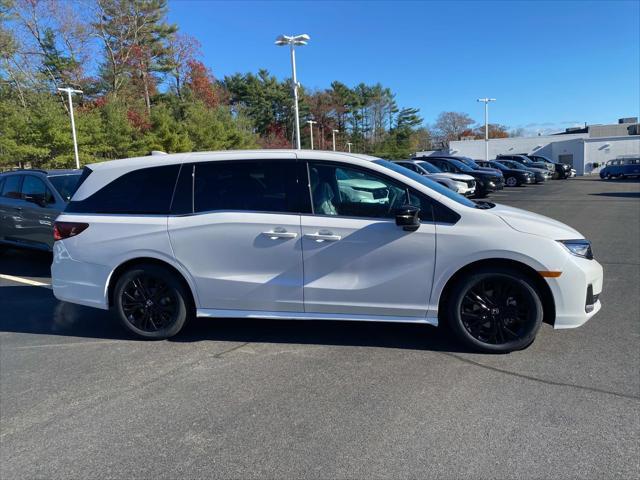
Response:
column 550, row 64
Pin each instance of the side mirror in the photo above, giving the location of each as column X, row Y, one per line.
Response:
column 408, row 218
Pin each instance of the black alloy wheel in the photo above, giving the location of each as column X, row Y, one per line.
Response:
column 512, row 182
column 496, row 311
column 151, row 302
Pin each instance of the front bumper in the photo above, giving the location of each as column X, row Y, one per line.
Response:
column 580, row 283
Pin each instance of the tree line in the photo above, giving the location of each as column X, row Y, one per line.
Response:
column 145, row 87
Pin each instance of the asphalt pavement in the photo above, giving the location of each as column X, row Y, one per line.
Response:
column 80, row 398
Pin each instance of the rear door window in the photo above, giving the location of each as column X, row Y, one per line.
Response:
column 255, row 186
column 11, row 187
column 34, row 190
column 143, row 191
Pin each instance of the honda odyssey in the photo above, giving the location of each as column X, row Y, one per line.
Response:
column 314, row 235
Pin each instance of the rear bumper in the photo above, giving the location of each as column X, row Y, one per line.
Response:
column 78, row 282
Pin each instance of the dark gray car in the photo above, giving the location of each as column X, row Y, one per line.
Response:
column 30, row 201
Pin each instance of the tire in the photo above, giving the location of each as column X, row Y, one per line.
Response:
column 151, row 302
column 483, row 323
column 608, row 176
column 512, row 182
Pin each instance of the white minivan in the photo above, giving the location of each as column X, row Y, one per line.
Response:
column 314, row 235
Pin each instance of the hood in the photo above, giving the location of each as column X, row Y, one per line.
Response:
column 462, row 177
column 488, row 170
column 529, row 222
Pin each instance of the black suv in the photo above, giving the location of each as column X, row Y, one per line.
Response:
column 513, row 177
column 563, row 170
column 486, row 182
column 30, row 200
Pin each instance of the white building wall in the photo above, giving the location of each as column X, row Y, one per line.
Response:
column 600, row 150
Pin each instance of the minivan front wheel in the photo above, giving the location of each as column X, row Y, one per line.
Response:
column 151, row 302
column 495, row 310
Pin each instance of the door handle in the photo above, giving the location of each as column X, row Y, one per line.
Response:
column 322, row 237
column 276, row 233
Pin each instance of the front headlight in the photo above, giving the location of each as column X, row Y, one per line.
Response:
column 579, row 248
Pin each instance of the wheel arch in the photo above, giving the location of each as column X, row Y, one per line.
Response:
column 548, row 302
column 128, row 264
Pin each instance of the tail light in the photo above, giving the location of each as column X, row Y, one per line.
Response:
column 62, row 230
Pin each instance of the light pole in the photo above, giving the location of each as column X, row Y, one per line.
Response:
column 486, row 125
column 333, row 134
column 349, row 146
column 294, row 41
column 311, row 122
column 73, row 123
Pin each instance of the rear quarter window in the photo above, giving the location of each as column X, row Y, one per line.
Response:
column 143, row 191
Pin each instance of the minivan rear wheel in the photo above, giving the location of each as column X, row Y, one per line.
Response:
column 151, row 302
column 495, row 310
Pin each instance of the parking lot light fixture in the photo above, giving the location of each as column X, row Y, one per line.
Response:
column 333, row 134
column 294, row 41
column 311, row 122
column 486, row 124
column 69, row 91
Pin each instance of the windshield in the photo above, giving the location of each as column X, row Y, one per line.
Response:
column 499, row 166
column 462, row 166
column 65, row 184
column 450, row 194
column 429, row 168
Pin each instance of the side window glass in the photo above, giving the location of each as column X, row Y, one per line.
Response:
column 340, row 190
column 143, row 191
column 34, row 190
column 260, row 186
column 11, row 187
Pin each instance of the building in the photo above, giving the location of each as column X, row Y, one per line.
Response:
column 585, row 148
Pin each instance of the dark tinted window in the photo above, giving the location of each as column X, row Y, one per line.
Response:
column 11, row 187
column 34, row 190
column 144, row 191
column 66, row 185
column 261, row 186
column 182, row 202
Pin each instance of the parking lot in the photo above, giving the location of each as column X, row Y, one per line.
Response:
column 258, row 398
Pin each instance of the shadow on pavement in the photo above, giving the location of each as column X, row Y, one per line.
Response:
column 25, row 263
column 617, row 194
column 34, row 310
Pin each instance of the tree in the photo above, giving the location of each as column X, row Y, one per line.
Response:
column 135, row 38
column 183, row 52
column 495, row 131
column 449, row 126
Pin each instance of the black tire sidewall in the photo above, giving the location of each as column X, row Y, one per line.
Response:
column 455, row 320
column 170, row 279
column 514, row 185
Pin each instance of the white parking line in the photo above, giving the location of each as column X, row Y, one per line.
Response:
column 26, row 281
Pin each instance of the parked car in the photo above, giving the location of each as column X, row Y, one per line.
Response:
column 470, row 162
column 562, row 170
column 486, row 182
column 621, row 167
column 458, row 182
column 541, row 175
column 30, row 201
column 253, row 234
column 512, row 177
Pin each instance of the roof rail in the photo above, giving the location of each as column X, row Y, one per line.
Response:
column 18, row 169
column 157, row 152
